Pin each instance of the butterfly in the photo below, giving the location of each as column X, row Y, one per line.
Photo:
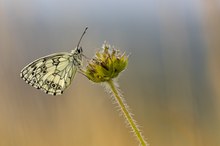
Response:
column 54, row 73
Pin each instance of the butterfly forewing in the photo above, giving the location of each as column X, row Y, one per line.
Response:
column 52, row 74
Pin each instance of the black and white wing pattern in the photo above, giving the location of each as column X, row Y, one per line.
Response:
column 51, row 74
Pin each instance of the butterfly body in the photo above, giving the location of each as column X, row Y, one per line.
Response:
column 53, row 73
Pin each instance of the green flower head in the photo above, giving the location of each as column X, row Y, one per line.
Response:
column 106, row 64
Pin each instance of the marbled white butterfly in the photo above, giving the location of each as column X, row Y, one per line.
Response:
column 54, row 73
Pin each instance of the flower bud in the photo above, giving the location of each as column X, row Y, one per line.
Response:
column 106, row 64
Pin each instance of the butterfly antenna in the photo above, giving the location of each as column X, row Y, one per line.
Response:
column 81, row 37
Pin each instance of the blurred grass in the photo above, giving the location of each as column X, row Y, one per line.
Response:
column 171, row 84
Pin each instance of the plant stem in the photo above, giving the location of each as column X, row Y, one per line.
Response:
column 126, row 113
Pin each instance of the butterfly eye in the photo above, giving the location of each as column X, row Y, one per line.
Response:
column 79, row 50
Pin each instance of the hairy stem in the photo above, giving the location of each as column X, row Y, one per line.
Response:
column 126, row 113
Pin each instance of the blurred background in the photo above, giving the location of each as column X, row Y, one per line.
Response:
column 171, row 83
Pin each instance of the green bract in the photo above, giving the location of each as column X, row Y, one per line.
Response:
column 106, row 64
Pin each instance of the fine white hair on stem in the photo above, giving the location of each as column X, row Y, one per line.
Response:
column 117, row 98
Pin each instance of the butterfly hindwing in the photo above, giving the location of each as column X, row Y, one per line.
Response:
column 52, row 74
